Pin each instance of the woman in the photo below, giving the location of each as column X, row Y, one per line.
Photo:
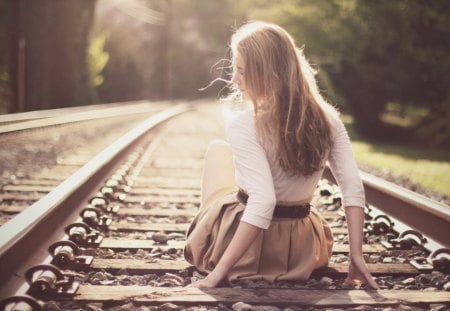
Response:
column 255, row 221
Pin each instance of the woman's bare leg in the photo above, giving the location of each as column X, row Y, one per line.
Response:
column 218, row 170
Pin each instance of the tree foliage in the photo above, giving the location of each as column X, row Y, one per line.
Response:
column 97, row 59
column 162, row 49
column 371, row 53
column 54, row 36
column 5, row 52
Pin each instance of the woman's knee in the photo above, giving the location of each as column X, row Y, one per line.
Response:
column 218, row 146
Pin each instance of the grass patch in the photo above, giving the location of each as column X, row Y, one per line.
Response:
column 427, row 167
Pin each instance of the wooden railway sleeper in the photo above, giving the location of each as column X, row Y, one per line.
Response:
column 48, row 281
column 66, row 254
column 81, row 234
column 94, row 218
column 21, row 303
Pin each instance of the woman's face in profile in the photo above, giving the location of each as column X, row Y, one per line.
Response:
column 238, row 75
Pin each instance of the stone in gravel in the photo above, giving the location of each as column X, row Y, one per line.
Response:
column 168, row 307
column 437, row 279
column 424, row 279
column 174, row 279
column 109, row 253
column 408, row 281
column 141, row 253
column 139, row 280
column 124, row 280
column 374, row 258
column 266, row 308
column 363, row 308
column 171, row 250
column 176, row 235
column 240, row 306
column 446, row 286
column 122, row 272
column 51, row 306
column 223, row 307
column 438, row 307
column 326, row 281
column 107, row 282
column 99, row 277
column 94, row 306
column 125, row 307
column 155, row 254
column 181, row 219
column 339, row 258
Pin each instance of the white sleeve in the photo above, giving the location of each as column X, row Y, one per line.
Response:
column 344, row 168
column 252, row 171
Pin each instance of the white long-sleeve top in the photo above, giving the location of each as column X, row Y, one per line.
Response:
column 259, row 173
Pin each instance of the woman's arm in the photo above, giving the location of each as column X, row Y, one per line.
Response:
column 254, row 176
column 358, row 270
column 346, row 172
column 245, row 235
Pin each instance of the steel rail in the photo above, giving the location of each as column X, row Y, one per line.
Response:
column 22, row 238
column 425, row 215
column 37, row 119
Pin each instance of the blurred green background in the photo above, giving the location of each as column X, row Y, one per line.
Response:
column 384, row 63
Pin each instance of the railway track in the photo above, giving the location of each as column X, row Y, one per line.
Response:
column 111, row 237
column 38, row 119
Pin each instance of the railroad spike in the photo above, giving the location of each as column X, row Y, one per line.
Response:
column 66, row 254
column 381, row 224
column 21, row 302
column 81, row 234
column 50, row 283
column 94, row 218
column 440, row 259
column 421, row 264
column 102, row 203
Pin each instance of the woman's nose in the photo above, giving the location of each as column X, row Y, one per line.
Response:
column 235, row 79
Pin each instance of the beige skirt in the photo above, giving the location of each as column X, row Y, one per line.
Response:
column 290, row 249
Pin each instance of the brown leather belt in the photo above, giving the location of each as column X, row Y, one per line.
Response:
column 281, row 211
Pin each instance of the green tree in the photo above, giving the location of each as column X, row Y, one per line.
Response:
column 400, row 54
column 56, row 38
column 98, row 59
column 6, row 19
column 371, row 53
column 163, row 49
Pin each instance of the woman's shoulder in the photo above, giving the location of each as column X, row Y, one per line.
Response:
column 333, row 115
column 241, row 119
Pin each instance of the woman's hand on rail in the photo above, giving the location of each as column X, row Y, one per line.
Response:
column 359, row 273
column 210, row 281
column 245, row 235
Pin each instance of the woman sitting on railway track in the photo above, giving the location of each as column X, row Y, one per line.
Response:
column 255, row 221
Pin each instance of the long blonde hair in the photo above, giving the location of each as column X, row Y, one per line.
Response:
column 289, row 110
